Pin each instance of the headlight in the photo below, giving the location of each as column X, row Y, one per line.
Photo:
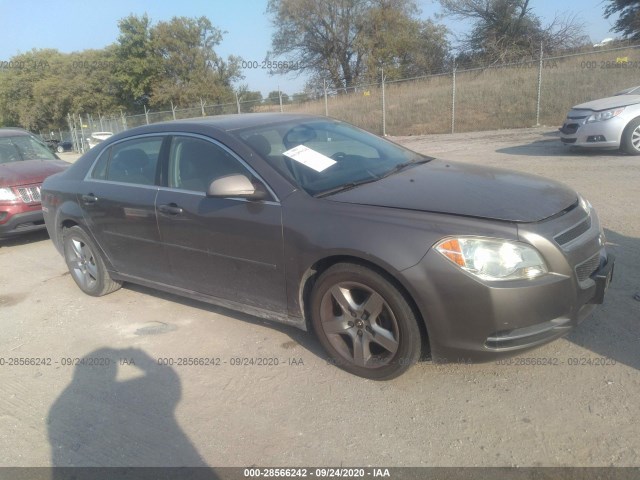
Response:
column 6, row 195
column 585, row 205
column 493, row 259
column 605, row 115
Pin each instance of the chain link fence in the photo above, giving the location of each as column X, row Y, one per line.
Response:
column 515, row 95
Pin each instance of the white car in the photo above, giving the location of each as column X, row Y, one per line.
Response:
column 612, row 122
column 97, row 137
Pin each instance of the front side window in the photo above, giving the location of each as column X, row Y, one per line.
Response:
column 132, row 161
column 194, row 163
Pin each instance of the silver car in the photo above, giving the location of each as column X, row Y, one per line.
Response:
column 612, row 122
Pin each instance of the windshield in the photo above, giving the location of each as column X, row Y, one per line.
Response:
column 23, row 147
column 322, row 156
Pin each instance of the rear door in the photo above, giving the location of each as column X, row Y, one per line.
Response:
column 118, row 202
column 223, row 247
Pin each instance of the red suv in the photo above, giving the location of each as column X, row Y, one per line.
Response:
column 24, row 164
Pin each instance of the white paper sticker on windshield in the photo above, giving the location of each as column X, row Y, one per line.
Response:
column 310, row 158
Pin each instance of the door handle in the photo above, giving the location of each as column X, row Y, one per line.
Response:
column 89, row 199
column 170, row 209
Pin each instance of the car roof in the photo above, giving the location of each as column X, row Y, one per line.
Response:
column 234, row 122
column 12, row 132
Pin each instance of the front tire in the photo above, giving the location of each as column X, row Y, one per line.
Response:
column 630, row 142
column 85, row 263
column 364, row 323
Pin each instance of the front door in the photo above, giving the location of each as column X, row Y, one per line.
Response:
column 223, row 247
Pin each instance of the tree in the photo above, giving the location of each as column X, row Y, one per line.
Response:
column 628, row 23
column 173, row 61
column 137, row 68
column 348, row 41
column 274, row 97
column 248, row 99
column 46, row 85
column 300, row 97
column 148, row 65
column 508, row 30
column 399, row 43
column 191, row 69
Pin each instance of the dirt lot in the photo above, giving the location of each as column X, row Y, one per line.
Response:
column 305, row 411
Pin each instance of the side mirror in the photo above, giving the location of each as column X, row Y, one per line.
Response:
column 236, row 186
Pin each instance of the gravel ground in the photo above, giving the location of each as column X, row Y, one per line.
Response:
column 305, row 411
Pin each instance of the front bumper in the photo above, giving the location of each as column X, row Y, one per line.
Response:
column 606, row 134
column 20, row 223
column 472, row 320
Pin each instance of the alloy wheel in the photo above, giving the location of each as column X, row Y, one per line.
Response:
column 359, row 324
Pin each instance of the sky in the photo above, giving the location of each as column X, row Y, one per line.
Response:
column 72, row 25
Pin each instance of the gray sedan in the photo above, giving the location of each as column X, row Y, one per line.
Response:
column 383, row 252
column 612, row 122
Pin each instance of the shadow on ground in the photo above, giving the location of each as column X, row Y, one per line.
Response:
column 613, row 330
column 24, row 239
column 99, row 420
column 552, row 147
column 305, row 339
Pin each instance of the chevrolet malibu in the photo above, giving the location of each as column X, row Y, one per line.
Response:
column 609, row 123
column 312, row 222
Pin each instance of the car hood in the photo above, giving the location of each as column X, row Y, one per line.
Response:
column 468, row 190
column 609, row 102
column 29, row 171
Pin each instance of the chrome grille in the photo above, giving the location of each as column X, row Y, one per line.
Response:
column 586, row 268
column 29, row 194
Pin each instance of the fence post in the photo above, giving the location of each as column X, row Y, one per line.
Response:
column 124, row 120
column 539, row 88
column 384, row 115
column 238, row 103
column 326, row 104
column 453, row 100
column 173, row 110
column 81, row 134
column 71, row 131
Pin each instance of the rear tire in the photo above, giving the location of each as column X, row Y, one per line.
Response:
column 364, row 323
column 85, row 263
column 630, row 142
column 60, row 149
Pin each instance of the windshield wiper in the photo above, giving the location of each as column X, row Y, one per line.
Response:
column 350, row 185
column 403, row 165
column 346, row 186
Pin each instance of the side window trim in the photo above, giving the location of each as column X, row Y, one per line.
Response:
column 88, row 177
column 215, row 142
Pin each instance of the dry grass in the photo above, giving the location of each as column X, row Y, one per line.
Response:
column 487, row 99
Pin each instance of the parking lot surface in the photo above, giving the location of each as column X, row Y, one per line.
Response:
column 143, row 378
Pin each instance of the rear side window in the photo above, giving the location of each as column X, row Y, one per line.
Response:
column 194, row 163
column 133, row 161
column 99, row 171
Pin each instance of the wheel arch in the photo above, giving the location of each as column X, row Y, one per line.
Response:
column 317, row 268
column 67, row 221
column 625, row 133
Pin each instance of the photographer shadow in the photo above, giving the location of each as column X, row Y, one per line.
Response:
column 100, row 421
